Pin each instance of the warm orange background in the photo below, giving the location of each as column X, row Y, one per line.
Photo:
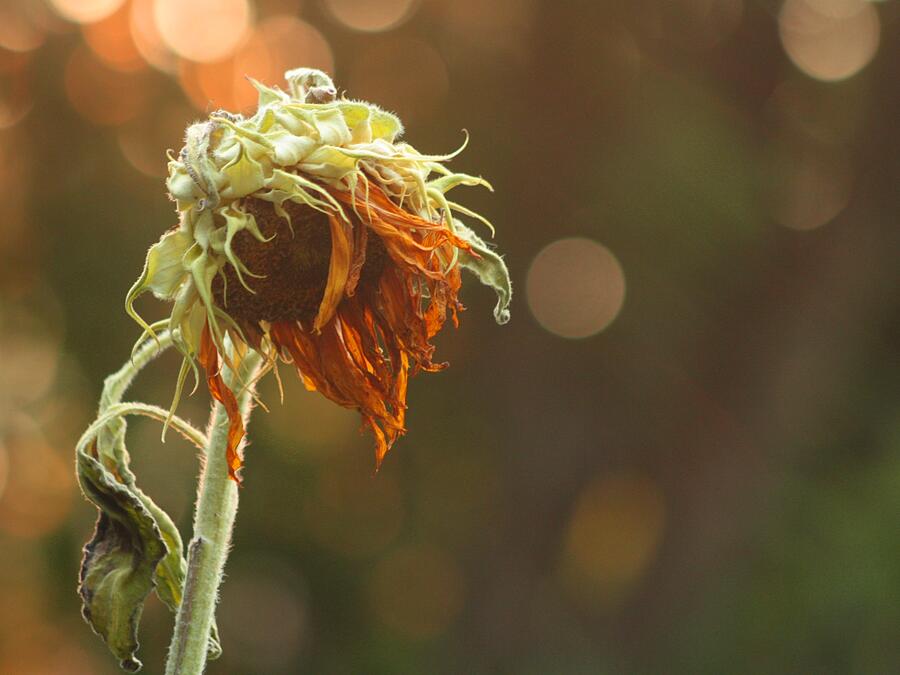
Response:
column 681, row 456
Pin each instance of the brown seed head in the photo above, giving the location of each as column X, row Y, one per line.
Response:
column 293, row 265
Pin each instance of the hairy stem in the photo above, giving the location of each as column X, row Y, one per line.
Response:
column 217, row 501
column 117, row 412
column 112, row 434
column 116, row 384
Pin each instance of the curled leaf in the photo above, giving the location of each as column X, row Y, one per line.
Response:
column 136, row 547
column 119, row 561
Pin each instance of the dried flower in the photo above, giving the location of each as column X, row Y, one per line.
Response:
column 310, row 234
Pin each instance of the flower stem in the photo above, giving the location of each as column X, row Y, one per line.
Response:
column 217, row 501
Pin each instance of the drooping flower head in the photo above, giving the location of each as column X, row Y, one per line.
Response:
column 310, row 233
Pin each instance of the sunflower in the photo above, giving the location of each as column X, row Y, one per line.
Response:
column 309, row 233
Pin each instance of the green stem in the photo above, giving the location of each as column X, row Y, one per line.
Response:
column 213, row 521
column 116, row 384
column 112, row 435
column 117, row 411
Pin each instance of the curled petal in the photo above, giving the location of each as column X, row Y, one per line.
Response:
column 209, row 359
column 338, row 272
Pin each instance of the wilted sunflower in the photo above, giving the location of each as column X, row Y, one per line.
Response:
column 310, row 234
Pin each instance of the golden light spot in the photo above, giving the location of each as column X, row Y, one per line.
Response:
column 30, row 364
column 381, row 73
column 371, row 15
column 147, row 39
column 45, row 17
column 829, row 39
column 39, row 487
column 15, row 91
column 350, row 513
column 110, row 39
column 18, row 32
column 202, row 30
column 100, row 94
column 145, row 140
column 277, row 45
column 85, row 11
column 612, row 536
column 44, row 649
column 811, row 191
column 209, row 86
column 575, row 287
column 417, row 592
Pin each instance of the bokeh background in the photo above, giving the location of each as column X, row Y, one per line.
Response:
column 681, row 456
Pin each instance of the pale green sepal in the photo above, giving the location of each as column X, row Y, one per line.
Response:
column 450, row 181
column 368, row 122
column 290, row 149
column 176, row 397
column 163, row 273
column 385, row 125
column 163, row 267
column 245, row 175
column 472, row 214
column 267, row 95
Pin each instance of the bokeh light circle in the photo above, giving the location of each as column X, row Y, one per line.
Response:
column 16, row 99
column 147, row 39
column 32, row 364
column 811, row 190
column 612, row 536
column 38, row 495
column 85, row 11
column 371, row 15
column 829, row 40
column 575, row 287
column 144, row 141
column 112, row 41
column 18, row 31
column 202, row 30
column 277, row 44
column 280, row 43
column 100, row 94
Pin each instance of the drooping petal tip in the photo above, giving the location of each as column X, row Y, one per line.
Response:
column 209, row 359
